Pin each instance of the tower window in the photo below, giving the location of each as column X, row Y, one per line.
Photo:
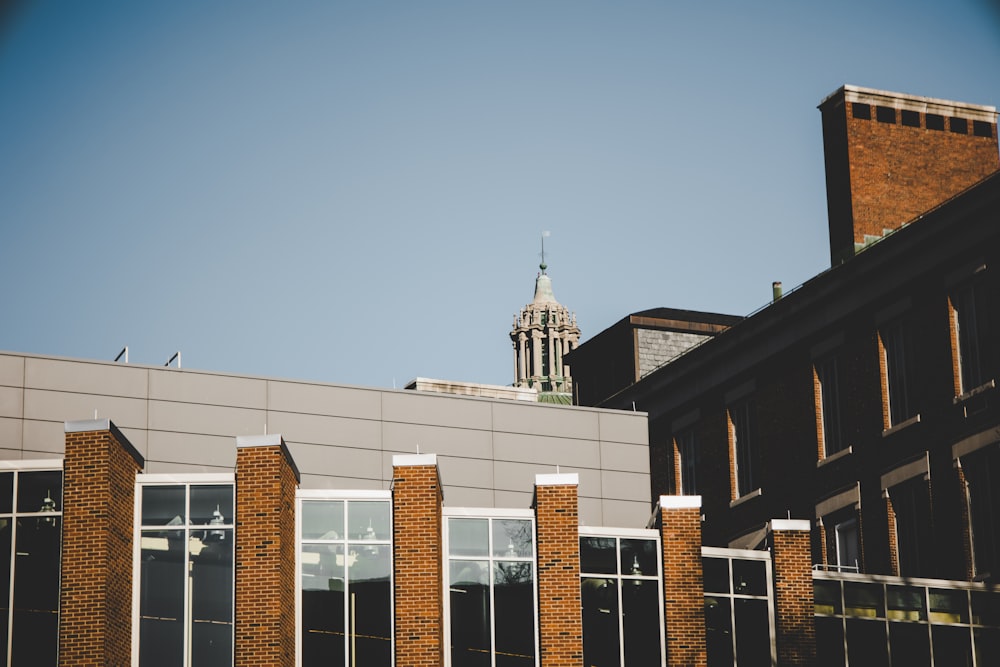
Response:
column 862, row 111
column 934, row 121
column 885, row 114
column 981, row 128
column 958, row 125
column 910, row 118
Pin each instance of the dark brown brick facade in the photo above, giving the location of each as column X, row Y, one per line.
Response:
column 683, row 587
column 266, row 479
column 95, row 617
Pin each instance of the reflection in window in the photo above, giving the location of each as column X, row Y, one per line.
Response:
column 186, row 574
column 738, row 610
column 620, row 594
column 491, row 584
column 345, row 558
column 30, row 538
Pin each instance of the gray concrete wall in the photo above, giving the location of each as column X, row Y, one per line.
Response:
column 658, row 347
column 341, row 437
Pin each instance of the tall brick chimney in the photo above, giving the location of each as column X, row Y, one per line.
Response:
column 891, row 157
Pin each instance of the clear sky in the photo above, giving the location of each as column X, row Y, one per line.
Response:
column 354, row 192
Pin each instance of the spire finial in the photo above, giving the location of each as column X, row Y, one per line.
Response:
column 543, row 265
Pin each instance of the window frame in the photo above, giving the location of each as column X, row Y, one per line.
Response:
column 729, row 554
column 745, row 457
column 899, row 373
column 829, row 404
column 686, row 449
column 966, row 301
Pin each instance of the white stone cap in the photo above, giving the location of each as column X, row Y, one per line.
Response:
column 790, row 524
column 269, row 440
column 558, row 479
column 85, row 425
column 680, row 502
column 915, row 103
column 400, row 460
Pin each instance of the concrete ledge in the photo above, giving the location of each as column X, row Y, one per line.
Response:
column 558, row 479
column 790, row 524
column 680, row 502
column 269, row 440
column 402, row 460
column 92, row 425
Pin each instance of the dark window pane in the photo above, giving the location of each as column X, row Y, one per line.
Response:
column 958, row 125
column 598, row 555
column 514, row 625
column 885, row 114
column 948, row 606
column 934, row 121
column 863, row 600
column 862, row 111
column 39, row 491
column 716, row 574
column 163, row 505
column 753, row 633
column 987, row 645
column 210, row 501
column 829, row 382
column 162, row 574
column 323, row 596
column 512, row 538
column 952, row 646
column 718, row 631
column 470, row 614
column 468, row 537
column 6, row 531
column 638, row 557
column 370, row 600
column 368, row 520
column 981, row 128
column 826, row 597
column 323, row 520
column 905, row 603
column 35, row 621
column 744, row 447
column 867, row 643
column 986, row 608
column 211, row 593
column 829, row 642
column 911, row 504
column 6, row 492
column 749, row 577
column 601, row 644
column 641, row 622
column 909, row 644
column 911, row 118
column 982, row 473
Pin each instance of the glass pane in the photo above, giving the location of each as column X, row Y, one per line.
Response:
column 986, row 608
column 952, row 646
column 949, row 606
column 718, row 630
column 512, row 538
column 368, row 520
column 599, row 599
column 598, row 555
column 638, row 557
column 35, row 629
column 641, row 622
column 162, row 573
column 753, row 632
column 863, row 600
column 749, row 577
column 163, row 506
column 514, row 599
column 211, row 582
column 323, row 520
column 370, row 604
column 826, row 595
column 212, row 503
column 6, row 532
column 323, row 618
column 39, row 491
column 716, row 573
column 905, row 603
column 468, row 537
column 909, row 644
column 987, row 644
column 470, row 613
column 829, row 642
column 6, row 493
column 867, row 643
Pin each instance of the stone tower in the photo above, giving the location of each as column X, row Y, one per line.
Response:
column 544, row 331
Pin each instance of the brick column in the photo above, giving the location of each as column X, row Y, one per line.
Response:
column 679, row 519
column 95, row 599
column 417, row 561
column 266, row 479
column 560, row 624
column 793, row 591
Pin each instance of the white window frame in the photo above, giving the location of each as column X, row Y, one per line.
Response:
column 746, row 554
column 174, row 479
column 346, row 495
column 485, row 513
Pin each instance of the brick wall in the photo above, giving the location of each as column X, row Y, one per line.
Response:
column 683, row 584
column 266, row 479
column 560, row 625
column 95, row 617
column 793, row 592
column 417, row 561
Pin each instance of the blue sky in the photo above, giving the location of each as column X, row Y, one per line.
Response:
column 354, row 192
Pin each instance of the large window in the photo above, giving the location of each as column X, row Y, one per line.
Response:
column 899, row 372
column 185, row 571
column 30, row 530
column 911, row 505
column 620, row 593
column 345, row 567
column 744, row 449
column 738, row 607
column 968, row 304
column 982, row 475
column 687, row 451
column 828, row 384
column 491, row 584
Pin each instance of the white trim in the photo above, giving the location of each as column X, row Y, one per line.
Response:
column 404, row 460
column 975, row 442
column 87, row 425
column 846, row 451
column 745, row 497
column 557, row 479
column 186, row 478
column 907, row 471
column 726, row 552
column 268, row 440
column 679, row 502
column 343, row 494
column 32, row 464
column 828, row 575
column 790, row 524
column 488, row 512
column 915, row 419
column 603, row 531
column 838, row 501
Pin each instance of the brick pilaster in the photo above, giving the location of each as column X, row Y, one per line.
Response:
column 793, row 591
column 95, row 599
column 679, row 519
column 266, row 479
column 560, row 625
column 417, row 561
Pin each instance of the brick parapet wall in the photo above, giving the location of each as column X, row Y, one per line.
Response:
column 95, row 617
column 793, row 592
column 683, row 583
column 417, row 564
column 560, row 625
column 266, row 479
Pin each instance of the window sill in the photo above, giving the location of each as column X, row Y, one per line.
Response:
column 961, row 398
column 835, row 456
column 915, row 419
column 744, row 498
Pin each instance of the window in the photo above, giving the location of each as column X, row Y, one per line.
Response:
column 185, row 571
column 620, row 595
column 934, row 121
column 30, row 538
column 968, row 304
column 911, row 506
column 491, row 584
column 345, row 588
column 910, row 118
column 981, row 128
column 958, row 125
column 829, row 386
column 738, row 607
column 743, row 448
column 862, row 111
column 899, row 372
column 982, row 476
column 885, row 114
column 688, row 453
column 845, row 535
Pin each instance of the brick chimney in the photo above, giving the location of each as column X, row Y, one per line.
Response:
column 891, row 157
